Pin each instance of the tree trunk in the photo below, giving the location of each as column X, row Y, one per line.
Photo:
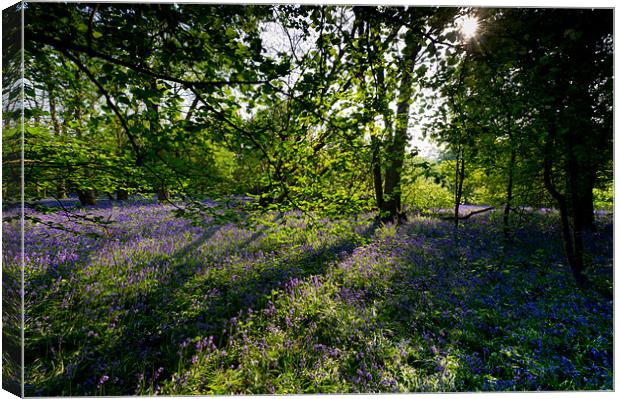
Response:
column 53, row 113
column 584, row 198
column 573, row 246
column 576, row 201
column 458, row 184
column 511, row 166
column 376, row 172
column 571, row 235
column 87, row 197
column 122, row 194
column 61, row 188
column 162, row 190
column 396, row 148
column 163, row 195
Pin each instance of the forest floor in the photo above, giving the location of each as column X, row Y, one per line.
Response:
column 155, row 305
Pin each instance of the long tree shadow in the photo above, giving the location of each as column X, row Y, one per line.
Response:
column 85, row 379
column 487, row 298
column 158, row 321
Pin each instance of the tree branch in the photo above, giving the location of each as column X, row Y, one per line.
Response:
column 64, row 47
column 89, row 34
column 110, row 103
column 224, row 119
column 469, row 214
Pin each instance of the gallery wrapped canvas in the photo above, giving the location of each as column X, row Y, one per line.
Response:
column 299, row 198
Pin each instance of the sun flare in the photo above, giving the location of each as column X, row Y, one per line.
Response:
column 469, row 27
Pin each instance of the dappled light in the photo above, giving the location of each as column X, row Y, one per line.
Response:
column 349, row 306
column 292, row 199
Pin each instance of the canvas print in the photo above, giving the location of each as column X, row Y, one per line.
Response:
column 279, row 199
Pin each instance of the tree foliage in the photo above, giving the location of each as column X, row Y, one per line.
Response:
column 312, row 107
column 536, row 106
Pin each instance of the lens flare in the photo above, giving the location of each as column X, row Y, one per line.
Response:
column 469, row 27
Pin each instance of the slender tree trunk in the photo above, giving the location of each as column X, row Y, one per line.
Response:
column 511, row 166
column 53, row 113
column 458, row 186
column 376, row 172
column 87, row 197
column 162, row 190
column 379, row 74
column 61, row 188
column 396, row 148
column 457, row 199
column 190, row 112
